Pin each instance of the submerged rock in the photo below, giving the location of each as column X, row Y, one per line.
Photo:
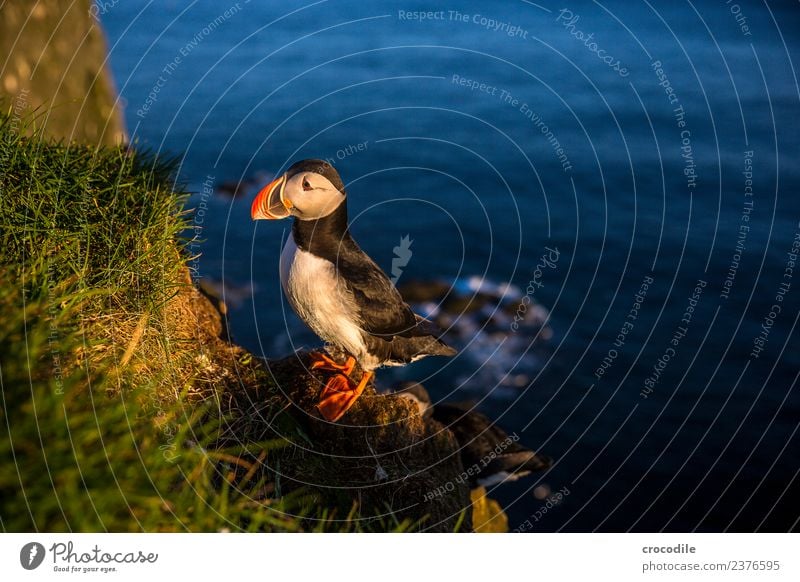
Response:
column 502, row 335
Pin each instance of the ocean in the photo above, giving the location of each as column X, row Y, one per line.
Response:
column 648, row 152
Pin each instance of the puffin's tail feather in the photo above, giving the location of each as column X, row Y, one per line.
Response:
column 425, row 327
column 416, row 343
column 442, row 349
column 431, row 346
column 428, row 329
column 403, row 350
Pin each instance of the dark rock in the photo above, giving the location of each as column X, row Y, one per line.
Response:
column 416, row 291
column 486, row 449
column 417, row 394
column 381, row 454
column 463, row 305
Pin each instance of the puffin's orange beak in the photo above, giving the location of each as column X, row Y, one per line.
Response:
column 270, row 203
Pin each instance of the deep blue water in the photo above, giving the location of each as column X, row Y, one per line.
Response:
column 473, row 176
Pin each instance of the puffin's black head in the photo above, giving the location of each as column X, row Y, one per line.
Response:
column 308, row 190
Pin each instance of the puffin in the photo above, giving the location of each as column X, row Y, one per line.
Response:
column 337, row 289
column 483, row 446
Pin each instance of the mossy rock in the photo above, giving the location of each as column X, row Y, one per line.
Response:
column 381, row 455
column 379, row 463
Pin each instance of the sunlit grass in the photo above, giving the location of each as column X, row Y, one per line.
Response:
column 90, row 251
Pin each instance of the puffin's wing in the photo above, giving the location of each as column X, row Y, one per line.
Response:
column 381, row 308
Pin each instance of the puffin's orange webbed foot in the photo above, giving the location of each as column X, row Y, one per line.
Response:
column 339, row 394
column 321, row 361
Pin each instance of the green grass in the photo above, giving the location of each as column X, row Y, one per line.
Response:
column 107, row 217
column 89, row 246
column 79, row 459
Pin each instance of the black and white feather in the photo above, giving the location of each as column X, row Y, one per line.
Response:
column 343, row 296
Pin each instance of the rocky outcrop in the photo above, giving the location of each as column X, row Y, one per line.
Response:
column 382, row 453
column 381, row 463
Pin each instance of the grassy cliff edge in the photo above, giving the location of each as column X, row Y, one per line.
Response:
column 127, row 410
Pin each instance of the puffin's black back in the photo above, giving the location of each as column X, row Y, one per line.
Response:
column 391, row 331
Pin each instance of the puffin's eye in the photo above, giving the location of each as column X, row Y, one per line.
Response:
column 306, row 184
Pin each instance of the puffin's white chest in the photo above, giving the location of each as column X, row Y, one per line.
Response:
column 316, row 294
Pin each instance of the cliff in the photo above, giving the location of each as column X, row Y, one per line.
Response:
column 128, row 409
column 56, row 65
